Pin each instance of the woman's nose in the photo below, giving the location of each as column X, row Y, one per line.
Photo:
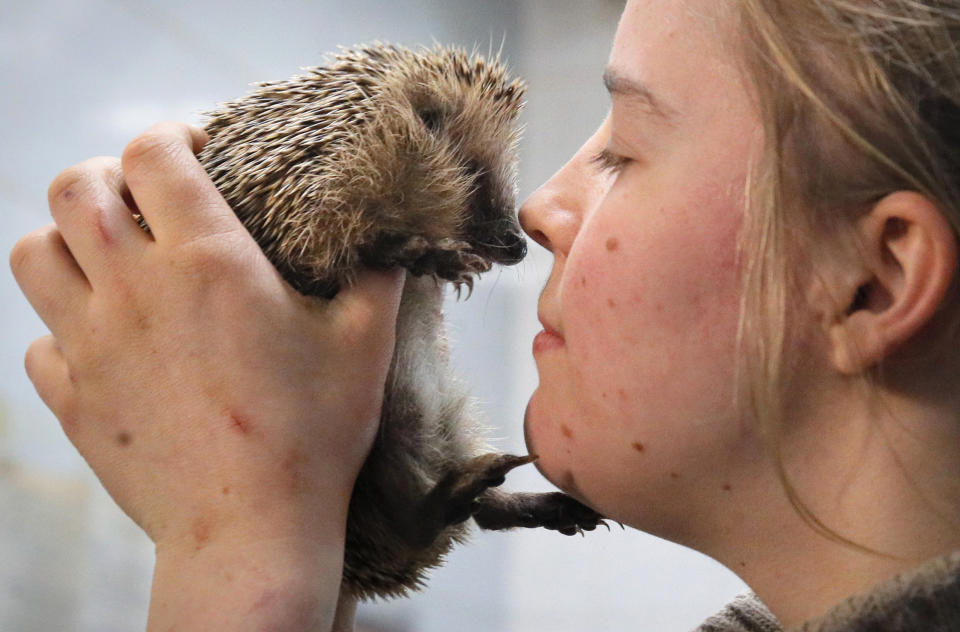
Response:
column 552, row 215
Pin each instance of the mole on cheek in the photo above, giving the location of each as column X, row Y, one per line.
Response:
column 611, row 303
column 612, row 244
column 124, row 439
column 583, row 281
column 567, row 432
column 639, row 447
column 727, row 487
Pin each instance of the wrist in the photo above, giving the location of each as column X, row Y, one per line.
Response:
column 283, row 583
column 250, row 510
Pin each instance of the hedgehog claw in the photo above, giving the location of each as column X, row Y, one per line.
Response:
column 448, row 259
column 458, row 285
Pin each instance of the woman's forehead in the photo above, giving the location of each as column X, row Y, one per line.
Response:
column 675, row 51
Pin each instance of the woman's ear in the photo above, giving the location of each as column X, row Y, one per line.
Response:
column 908, row 258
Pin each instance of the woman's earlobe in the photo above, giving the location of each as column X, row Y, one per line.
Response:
column 908, row 254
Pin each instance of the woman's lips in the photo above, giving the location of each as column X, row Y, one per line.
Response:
column 546, row 340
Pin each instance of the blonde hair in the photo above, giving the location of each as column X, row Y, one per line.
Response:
column 858, row 98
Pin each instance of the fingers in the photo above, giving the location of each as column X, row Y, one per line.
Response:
column 87, row 203
column 49, row 277
column 173, row 192
column 48, row 370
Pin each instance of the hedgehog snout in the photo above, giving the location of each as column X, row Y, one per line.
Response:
column 493, row 229
column 504, row 244
column 511, row 249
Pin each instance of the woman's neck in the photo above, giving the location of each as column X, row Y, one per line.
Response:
column 882, row 479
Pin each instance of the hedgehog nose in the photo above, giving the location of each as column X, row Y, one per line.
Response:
column 513, row 248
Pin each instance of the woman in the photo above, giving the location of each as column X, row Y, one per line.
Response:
column 749, row 340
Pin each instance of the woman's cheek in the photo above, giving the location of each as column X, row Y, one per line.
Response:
column 604, row 313
column 577, row 406
column 549, row 435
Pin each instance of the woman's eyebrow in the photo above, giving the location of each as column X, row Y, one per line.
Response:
column 618, row 84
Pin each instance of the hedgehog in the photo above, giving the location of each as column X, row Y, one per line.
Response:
column 385, row 157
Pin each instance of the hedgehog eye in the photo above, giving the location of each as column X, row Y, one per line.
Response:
column 430, row 118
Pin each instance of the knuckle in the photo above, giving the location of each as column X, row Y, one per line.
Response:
column 199, row 254
column 23, row 252
column 145, row 147
column 37, row 363
column 82, row 184
column 213, row 248
column 68, row 185
column 150, row 148
column 32, row 360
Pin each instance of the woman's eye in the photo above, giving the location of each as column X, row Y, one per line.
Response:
column 609, row 162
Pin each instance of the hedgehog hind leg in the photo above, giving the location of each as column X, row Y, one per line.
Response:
column 496, row 510
column 454, row 498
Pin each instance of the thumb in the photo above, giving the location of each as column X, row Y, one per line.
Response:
column 369, row 304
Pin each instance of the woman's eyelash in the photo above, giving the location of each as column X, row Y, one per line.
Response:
column 607, row 161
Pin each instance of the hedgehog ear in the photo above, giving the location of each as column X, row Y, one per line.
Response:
column 430, row 118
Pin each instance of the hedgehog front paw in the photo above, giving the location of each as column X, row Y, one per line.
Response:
column 391, row 250
column 447, row 259
column 454, row 261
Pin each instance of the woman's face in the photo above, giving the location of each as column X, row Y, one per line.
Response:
column 635, row 410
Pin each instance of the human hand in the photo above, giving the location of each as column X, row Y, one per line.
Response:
column 218, row 407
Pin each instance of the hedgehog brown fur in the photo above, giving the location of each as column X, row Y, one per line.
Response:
column 388, row 157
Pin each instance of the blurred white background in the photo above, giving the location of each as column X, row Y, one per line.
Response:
column 81, row 78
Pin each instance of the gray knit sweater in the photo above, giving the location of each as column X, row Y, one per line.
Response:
column 925, row 600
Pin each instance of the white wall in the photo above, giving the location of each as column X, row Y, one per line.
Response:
column 79, row 78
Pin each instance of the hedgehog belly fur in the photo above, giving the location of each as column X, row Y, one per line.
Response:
column 428, row 428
